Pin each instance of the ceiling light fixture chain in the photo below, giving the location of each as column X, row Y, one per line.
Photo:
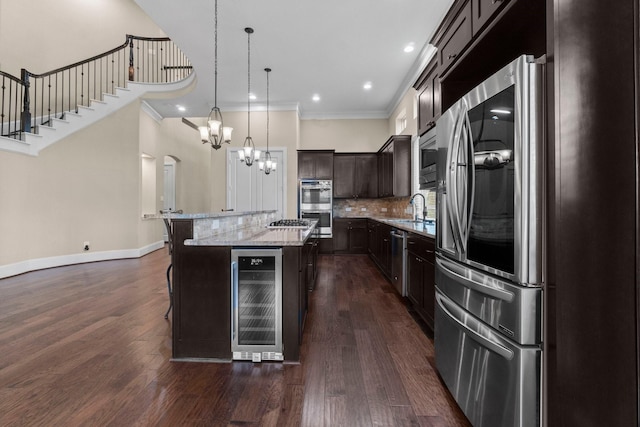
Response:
column 215, row 132
column 268, row 165
column 248, row 154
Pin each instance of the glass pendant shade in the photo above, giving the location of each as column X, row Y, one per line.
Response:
column 217, row 133
column 267, row 165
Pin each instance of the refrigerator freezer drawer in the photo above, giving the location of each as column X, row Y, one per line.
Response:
column 495, row 381
column 515, row 311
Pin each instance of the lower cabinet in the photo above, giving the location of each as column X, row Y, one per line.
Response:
column 421, row 276
column 350, row 236
column 379, row 245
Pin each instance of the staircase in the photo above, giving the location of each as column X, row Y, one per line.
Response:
column 164, row 75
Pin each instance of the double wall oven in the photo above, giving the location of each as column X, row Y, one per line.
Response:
column 488, row 320
column 315, row 201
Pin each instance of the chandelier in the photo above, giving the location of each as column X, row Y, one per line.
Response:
column 248, row 154
column 215, row 132
column 267, row 165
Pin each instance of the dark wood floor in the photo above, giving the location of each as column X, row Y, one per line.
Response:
column 88, row 345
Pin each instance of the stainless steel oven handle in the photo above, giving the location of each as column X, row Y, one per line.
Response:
column 492, row 291
column 447, row 307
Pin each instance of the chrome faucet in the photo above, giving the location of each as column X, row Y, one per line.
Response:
column 424, row 206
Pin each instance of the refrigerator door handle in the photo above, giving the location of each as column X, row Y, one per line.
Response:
column 470, row 179
column 452, row 183
column 492, row 291
column 475, row 330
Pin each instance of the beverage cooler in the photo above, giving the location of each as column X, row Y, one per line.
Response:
column 256, row 304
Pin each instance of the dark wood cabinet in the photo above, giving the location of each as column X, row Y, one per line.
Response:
column 350, row 236
column 315, row 164
column 482, row 11
column 456, row 38
column 379, row 245
column 421, row 276
column 355, row 176
column 428, row 89
column 394, row 167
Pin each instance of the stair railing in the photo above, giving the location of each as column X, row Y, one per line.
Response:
column 51, row 95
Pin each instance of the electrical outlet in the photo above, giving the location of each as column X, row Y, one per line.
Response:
column 86, row 246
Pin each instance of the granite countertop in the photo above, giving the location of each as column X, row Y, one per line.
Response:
column 257, row 236
column 225, row 214
column 424, row 228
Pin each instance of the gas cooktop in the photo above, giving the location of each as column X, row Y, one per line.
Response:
column 289, row 223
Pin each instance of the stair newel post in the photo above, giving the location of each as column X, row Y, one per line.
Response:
column 131, row 70
column 25, row 116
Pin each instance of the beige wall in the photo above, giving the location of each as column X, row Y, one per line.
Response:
column 44, row 35
column 83, row 188
column 407, row 106
column 344, row 135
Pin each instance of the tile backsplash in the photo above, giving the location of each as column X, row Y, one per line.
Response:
column 395, row 207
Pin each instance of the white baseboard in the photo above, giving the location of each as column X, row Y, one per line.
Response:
column 80, row 258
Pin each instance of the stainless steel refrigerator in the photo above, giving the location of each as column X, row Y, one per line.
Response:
column 489, row 269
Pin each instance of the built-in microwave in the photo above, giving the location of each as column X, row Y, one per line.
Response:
column 427, row 155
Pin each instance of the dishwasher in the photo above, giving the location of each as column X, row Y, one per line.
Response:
column 399, row 260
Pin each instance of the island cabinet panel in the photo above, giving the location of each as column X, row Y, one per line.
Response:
column 201, row 298
column 355, row 176
column 294, row 300
column 315, row 164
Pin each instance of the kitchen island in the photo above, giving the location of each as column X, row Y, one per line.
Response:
column 201, row 258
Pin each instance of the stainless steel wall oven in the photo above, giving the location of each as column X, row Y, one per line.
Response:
column 315, row 201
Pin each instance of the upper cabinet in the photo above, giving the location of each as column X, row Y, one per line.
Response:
column 355, row 176
column 482, row 10
column 315, row 164
column 455, row 38
column 394, row 167
column 428, row 89
column 478, row 37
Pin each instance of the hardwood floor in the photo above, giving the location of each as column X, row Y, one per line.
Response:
column 88, row 345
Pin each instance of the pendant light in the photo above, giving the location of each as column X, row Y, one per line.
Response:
column 267, row 165
column 248, row 153
column 215, row 132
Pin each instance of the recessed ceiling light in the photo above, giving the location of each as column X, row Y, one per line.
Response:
column 367, row 86
column 252, row 97
column 409, row 48
column 316, row 98
column 181, row 108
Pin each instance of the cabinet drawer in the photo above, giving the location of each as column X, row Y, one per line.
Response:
column 456, row 38
column 421, row 246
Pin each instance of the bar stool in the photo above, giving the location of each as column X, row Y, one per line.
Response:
column 169, row 227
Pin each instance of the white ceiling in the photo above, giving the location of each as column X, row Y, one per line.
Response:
column 330, row 48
